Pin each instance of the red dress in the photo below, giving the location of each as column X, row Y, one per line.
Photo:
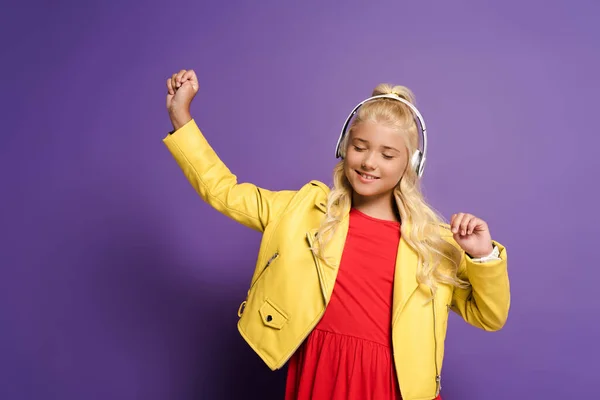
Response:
column 348, row 356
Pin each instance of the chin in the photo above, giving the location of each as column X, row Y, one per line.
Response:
column 365, row 190
column 369, row 193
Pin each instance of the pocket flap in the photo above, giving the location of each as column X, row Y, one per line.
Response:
column 272, row 315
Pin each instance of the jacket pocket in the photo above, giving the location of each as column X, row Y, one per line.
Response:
column 272, row 315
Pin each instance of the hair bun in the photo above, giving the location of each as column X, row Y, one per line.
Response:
column 398, row 90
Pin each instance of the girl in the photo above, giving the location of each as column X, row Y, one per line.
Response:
column 352, row 284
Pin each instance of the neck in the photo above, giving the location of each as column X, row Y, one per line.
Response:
column 380, row 207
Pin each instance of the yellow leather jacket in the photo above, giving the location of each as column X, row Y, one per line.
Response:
column 290, row 288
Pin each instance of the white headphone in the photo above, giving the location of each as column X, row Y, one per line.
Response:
column 417, row 161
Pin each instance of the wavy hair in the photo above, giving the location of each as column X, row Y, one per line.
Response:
column 426, row 236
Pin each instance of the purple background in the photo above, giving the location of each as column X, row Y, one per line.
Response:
column 118, row 282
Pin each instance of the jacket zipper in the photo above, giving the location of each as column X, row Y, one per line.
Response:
column 243, row 305
column 273, row 257
column 438, row 378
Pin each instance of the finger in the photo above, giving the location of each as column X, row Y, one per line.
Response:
column 179, row 75
column 174, row 82
column 170, row 86
column 456, row 222
column 473, row 224
column 464, row 223
column 453, row 222
column 188, row 75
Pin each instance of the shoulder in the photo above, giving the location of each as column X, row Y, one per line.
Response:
column 444, row 228
column 318, row 186
column 447, row 235
column 311, row 193
column 316, row 190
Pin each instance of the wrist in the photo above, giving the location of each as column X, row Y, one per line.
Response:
column 179, row 118
column 482, row 254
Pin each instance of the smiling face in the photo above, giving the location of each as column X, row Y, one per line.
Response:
column 376, row 159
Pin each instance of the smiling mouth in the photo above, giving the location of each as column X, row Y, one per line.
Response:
column 366, row 176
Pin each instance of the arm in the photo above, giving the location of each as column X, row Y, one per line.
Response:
column 243, row 202
column 485, row 304
column 248, row 204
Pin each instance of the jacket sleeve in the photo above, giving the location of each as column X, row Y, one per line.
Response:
column 245, row 203
column 485, row 304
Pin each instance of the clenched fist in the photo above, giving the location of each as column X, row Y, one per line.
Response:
column 182, row 88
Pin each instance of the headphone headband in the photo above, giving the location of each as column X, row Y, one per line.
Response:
column 418, row 159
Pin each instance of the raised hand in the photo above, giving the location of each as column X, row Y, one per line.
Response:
column 182, row 88
column 472, row 234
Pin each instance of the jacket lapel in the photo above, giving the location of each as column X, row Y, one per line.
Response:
column 405, row 275
column 333, row 254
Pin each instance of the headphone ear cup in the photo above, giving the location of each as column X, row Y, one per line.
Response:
column 415, row 161
column 421, row 166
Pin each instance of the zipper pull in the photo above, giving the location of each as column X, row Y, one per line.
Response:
column 273, row 257
column 241, row 308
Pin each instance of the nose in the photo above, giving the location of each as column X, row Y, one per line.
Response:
column 368, row 162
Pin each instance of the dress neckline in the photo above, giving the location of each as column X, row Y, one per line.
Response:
column 379, row 220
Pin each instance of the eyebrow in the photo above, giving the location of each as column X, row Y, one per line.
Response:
column 385, row 147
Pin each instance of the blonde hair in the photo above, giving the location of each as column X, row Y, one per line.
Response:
column 425, row 237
